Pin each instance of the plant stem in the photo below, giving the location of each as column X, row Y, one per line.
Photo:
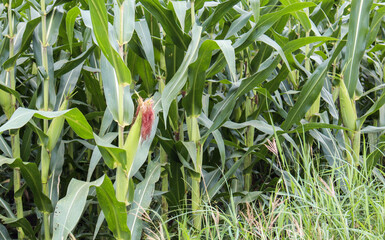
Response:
column 15, row 138
column 194, row 136
column 45, row 161
column 356, row 147
column 45, row 155
column 235, row 180
column 249, row 141
column 122, row 180
column 196, row 192
column 163, row 160
column 16, row 178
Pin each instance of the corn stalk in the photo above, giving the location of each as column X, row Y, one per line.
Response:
column 15, row 136
column 194, row 136
column 45, row 154
column 356, row 44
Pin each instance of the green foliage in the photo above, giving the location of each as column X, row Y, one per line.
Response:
column 248, row 103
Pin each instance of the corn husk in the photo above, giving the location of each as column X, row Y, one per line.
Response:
column 348, row 112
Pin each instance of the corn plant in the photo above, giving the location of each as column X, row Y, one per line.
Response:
column 130, row 119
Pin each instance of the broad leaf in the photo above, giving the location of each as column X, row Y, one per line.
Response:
column 70, row 208
column 357, row 38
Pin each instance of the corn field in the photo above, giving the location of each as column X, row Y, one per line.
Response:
column 194, row 119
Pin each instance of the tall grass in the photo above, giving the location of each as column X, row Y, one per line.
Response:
column 317, row 202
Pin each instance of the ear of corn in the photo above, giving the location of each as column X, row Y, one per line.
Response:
column 55, row 128
column 348, row 112
column 5, row 103
column 132, row 140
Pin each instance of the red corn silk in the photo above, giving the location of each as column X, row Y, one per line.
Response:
column 148, row 117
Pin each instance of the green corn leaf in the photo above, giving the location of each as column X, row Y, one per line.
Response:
column 72, row 14
column 56, row 3
column 25, row 42
column 142, row 199
column 13, row 92
column 146, row 74
column 238, row 24
column 96, row 154
column 197, row 74
column 99, row 19
column 92, row 85
column 7, row 208
column 5, row 148
column 310, row 90
column 301, row 16
column 31, row 174
column 255, row 6
column 265, row 39
column 204, row 120
column 113, row 210
column 69, row 209
column 180, row 9
column 144, row 35
column 69, row 66
column 264, row 24
column 67, row 84
column 375, row 156
column 218, row 13
column 73, row 116
column 171, row 90
column 22, row 223
column 375, row 25
column 115, row 91
column 167, row 20
column 56, row 168
column 313, row 125
column 296, row 44
column 124, row 20
column 112, row 155
column 53, row 21
column 4, row 235
column 374, row 108
column 222, row 110
column 357, row 38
